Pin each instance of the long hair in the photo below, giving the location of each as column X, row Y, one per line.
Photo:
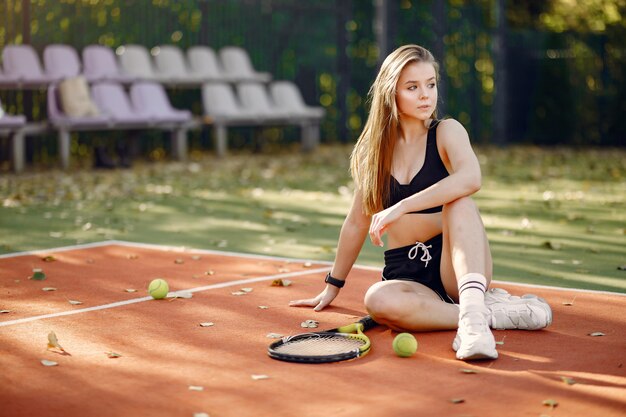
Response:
column 370, row 162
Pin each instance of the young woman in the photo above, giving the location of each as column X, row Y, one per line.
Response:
column 414, row 175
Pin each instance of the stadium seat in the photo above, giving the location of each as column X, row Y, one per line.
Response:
column 204, row 62
column 22, row 65
column 150, row 99
column 236, row 63
column 286, row 96
column 100, row 64
column 170, row 63
column 61, row 61
column 136, row 60
column 114, row 102
column 255, row 98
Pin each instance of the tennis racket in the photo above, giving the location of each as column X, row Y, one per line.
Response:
column 335, row 345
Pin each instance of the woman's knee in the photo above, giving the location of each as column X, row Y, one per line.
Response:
column 381, row 301
column 461, row 206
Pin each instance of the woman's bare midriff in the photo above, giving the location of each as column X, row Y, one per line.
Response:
column 411, row 228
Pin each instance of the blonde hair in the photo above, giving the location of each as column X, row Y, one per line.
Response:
column 370, row 162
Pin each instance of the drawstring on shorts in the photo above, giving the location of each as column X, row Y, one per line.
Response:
column 425, row 256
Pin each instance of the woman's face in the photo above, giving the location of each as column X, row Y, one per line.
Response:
column 416, row 91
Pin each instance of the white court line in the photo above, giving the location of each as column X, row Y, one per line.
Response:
column 142, row 299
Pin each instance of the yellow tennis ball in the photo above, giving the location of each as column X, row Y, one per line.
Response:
column 404, row 345
column 158, row 288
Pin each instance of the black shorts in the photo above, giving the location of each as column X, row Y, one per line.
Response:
column 420, row 263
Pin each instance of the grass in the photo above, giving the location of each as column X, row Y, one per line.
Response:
column 553, row 216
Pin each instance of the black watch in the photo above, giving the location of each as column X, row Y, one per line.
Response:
column 334, row 281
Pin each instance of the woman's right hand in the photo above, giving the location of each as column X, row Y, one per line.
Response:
column 319, row 302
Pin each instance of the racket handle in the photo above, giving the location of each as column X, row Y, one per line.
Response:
column 362, row 325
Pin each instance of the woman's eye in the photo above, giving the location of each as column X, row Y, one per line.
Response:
column 431, row 85
column 412, row 87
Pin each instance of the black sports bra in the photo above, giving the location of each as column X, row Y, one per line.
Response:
column 431, row 172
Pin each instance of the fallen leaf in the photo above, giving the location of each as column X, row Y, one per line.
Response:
column 132, row 256
column 5, row 311
column 263, row 307
column 568, row 380
column 274, row 336
column 207, row 324
column 179, row 261
column 179, row 294
column 309, row 324
column 281, row 283
column 457, row 400
column 501, row 342
column 201, row 415
column 467, row 371
column 247, row 290
column 130, row 290
column 53, row 342
column 48, row 258
column 552, row 245
column 113, row 355
column 74, row 302
column 195, row 388
column 38, row 275
column 550, row 403
column 569, row 303
column 621, row 268
column 239, row 293
column 596, row 334
column 307, row 264
column 259, row 377
column 48, row 289
column 209, row 272
column 46, row 362
column 196, row 257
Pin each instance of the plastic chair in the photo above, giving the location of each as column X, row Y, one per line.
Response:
column 287, row 96
column 170, row 63
column 100, row 64
column 136, row 60
column 61, row 61
column 10, row 122
column 22, row 64
column 149, row 99
column 203, row 61
column 236, row 63
column 255, row 98
column 219, row 101
column 113, row 101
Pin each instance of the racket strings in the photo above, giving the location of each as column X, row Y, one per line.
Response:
column 320, row 346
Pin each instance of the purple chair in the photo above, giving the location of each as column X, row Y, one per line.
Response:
column 22, row 64
column 61, row 61
column 113, row 101
column 150, row 99
column 100, row 64
column 10, row 122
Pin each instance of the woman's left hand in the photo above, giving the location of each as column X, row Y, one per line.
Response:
column 380, row 223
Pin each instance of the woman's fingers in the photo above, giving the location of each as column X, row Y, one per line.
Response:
column 310, row 302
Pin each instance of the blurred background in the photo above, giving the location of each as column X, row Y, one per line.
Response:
column 541, row 72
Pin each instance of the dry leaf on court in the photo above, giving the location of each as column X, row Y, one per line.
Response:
column 281, row 283
column 501, row 342
column 74, row 302
column 179, row 261
column 596, row 334
column 48, row 258
column 196, row 257
column 113, row 355
column 274, row 335
column 38, row 275
column 53, row 342
column 207, row 324
column 309, row 324
column 550, row 403
column 201, row 415
column 5, row 311
column 132, row 256
column 569, row 303
column 130, row 290
column 307, row 264
column 179, row 294
column 568, row 380
column 263, row 307
column 457, row 400
column 248, row 290
column 47, row 289
column 239, row 293
column 259, row 377
column 195, row 388
column 46, row 362
column 467, row 371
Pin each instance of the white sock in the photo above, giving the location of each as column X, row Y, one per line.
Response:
column 472, row 288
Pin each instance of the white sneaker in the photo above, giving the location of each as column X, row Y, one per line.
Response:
column 527, row 312
column 474, row 339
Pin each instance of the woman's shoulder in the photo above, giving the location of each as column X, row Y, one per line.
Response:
column 450, row 128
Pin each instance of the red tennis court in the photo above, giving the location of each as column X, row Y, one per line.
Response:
column 128, row 355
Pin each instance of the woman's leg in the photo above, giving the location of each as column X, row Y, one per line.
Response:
column 409, row 306
column 466, row 272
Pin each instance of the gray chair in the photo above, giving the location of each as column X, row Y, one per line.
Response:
column 136, row 60
column 22, row 65
column 237, row 64
column 114, row 102
column 204, row 61
column 100, row 64
column 61, row 61
column 170, row 64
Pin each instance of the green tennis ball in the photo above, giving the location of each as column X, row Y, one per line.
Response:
column 404, row 345
column 158, row 288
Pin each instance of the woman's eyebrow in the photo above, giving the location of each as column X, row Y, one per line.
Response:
column 413, row 82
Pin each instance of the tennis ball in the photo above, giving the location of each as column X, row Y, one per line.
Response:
column 404, row 345
column 158, row 288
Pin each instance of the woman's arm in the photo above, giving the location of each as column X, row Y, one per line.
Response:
column 351, row 238
column 464, row 179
